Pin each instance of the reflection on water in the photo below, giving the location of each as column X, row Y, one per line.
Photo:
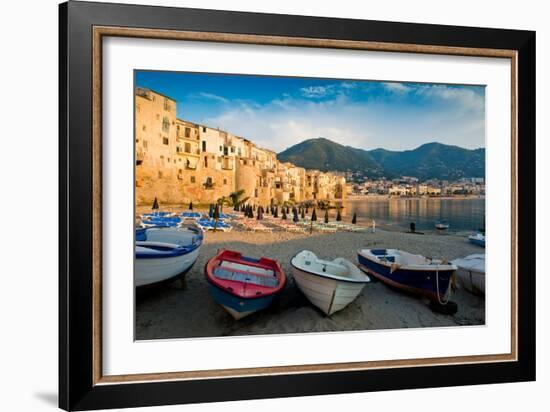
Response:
column 462, row 214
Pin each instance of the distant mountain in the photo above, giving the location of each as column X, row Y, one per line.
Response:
column 326, row 155
column 431, row 160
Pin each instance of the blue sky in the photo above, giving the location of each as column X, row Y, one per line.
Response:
column 278, row 112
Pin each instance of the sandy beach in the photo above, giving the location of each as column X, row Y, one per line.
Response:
column 186, row 309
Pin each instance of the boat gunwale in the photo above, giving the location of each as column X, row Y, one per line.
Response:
column 338, row 279
column 415, row 268
column 272, row 292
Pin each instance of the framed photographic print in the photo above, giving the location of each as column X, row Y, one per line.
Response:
column 257, row 205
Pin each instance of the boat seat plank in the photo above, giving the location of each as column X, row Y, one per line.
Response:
column 246, row 268
column 226, row 274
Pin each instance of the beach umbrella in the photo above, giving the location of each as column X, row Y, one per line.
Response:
column 313, row 216
column 211, row 210
column 354, row 219
column 338, row 216
column 326, row 216
column 303, row 214
column 155, row 204
column 190, row 205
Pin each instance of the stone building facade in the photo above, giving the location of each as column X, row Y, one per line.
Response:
column 178, row 161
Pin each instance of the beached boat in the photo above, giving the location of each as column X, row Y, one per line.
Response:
column 477, row 239
column 417, row 274
column 163, row 254
column 329, row 285
column 442, row 225
column 471, row 273
column 243, row 285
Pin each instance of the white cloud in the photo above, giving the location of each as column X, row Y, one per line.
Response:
column 452, row 116
column 396, row 87
column 208, row 96
column 317, row 92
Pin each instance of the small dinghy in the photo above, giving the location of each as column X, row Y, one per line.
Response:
column 163, row 254
column 329, row 285
column 442, row 225
column 471, row 273
column 243, row 285
column 477, row 239
column 417, row 274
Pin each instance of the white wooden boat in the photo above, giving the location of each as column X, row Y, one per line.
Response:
column 471, row 273
column 329, row 285
column 163, row 254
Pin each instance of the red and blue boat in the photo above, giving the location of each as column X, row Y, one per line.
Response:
column 430, row 278
column 243, row 285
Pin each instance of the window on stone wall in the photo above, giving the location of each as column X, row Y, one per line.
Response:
column 192, row 179
column 224, row 181
column 204, row 129
column 187, row 147
column 165, row 124
column 204, row 145
column 205, row 161
column 165, row 140
column 160, row 174
column 145, row 144
column 187, row 132
column 144, row 128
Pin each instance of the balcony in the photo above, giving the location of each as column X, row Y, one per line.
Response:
column 181, row 137
column 190, row 152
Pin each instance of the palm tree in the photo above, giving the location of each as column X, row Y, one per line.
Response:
column 338, row 216
column 236, row 196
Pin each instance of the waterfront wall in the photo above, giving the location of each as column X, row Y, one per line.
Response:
column 178, row 161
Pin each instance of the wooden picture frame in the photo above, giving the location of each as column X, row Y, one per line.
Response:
column 81, row 382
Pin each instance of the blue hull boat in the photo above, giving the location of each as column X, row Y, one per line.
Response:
column 164, row 254
column 477, row 239
column 416, row 274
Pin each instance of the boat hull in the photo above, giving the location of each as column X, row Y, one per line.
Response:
column 243, row 285
column 419, row 282
column 236, row 306
column 471, row 273
column 153, row 271
column 329, row 295
column 473, row 281
column 477, row 242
